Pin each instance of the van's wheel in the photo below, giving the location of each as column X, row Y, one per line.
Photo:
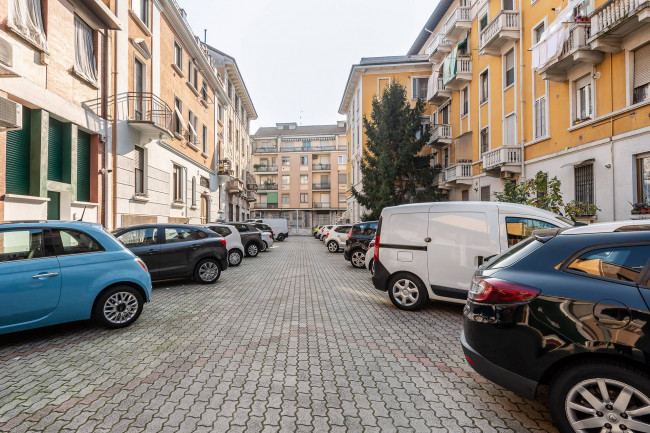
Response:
column 358, row 258
column 234, row 257
column 207, row 271
column 407, row 292
column 603, row 396
column 280, row 237
column 265, row 246
column 333, row 247
column 118, row 307
column 252, row 250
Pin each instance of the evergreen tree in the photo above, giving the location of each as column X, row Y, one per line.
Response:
column 392, row 172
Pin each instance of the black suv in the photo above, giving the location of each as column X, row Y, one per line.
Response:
column 568, row 308
column 177, row 251
column 251, row 238
column 358, row 241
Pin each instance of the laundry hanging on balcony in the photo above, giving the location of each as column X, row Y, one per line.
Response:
column 552, row 41
column 449, row 66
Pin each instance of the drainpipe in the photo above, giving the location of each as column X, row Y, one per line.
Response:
column 104, row 114
column 114, row 135
column 611, row 134
column 521, row 90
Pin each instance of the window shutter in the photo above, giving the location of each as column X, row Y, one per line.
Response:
column 83, row 166
column 56, row 135
column 509, row 133
column 18, row 154
column 138, row 159
column 642, row 66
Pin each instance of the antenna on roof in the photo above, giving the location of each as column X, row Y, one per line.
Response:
column 82, row 214
column 205, row 36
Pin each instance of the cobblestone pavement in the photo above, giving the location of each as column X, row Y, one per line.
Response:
column 294, row 340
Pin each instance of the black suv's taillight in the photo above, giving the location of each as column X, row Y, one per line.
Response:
column 495, row 291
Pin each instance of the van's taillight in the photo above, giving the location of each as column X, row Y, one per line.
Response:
column 272, row 234
column 376, row 248
column 495, row 291
column 142, row 264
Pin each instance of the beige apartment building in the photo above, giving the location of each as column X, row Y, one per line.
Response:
column 301, row 173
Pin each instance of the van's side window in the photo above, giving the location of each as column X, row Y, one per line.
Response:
column 21, row 244
column 520, row 228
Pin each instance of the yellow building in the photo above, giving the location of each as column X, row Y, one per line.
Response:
column 365, row 82
column 561, row 87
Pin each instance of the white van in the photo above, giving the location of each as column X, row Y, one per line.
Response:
column 280, row 226
column 430, row 250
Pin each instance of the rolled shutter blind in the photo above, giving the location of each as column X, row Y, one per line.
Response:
column 83, row 166
column 582, row 82
column 18, row 154
column 56, row 135
column 642, row 66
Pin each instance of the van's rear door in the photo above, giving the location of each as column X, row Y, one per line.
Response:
column 459, row 241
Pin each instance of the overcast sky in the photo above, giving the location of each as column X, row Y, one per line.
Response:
column 295, row 55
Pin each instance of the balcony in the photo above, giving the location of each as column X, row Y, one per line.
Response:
column 321, row 205
column 440, row 135
column 463, row 73
column 614, row 21
column 502, row 161
column 143, row 111
column 575, row 50
column 322, row 186
column 459, row 22
column 311, row 148
column 265, row 149
column 321, row 167
column 459, row 173
column 251, row 196
column 235, row 186
column 268, row 186
column 260, row 168
column 437, row 93
column 500, row 31
column 439, row 180
column 439, row 48
column 266, row 205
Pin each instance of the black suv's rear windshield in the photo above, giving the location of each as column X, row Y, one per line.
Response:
column 514, row 253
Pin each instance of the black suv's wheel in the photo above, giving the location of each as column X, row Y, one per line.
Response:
column 407, row 292
column 333, row 247
column 265, row 246
column 601, row 396
column 358, row 258
column 234, row 257
column 207, row 271
column 252, row 250
column 118, row 307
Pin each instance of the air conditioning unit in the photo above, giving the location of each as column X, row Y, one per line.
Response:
column 6, row 59
column 11, row 115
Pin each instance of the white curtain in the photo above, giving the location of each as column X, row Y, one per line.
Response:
column 26, row 18
column 84, row 59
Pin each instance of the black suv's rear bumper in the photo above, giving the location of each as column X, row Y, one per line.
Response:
column 505, row 378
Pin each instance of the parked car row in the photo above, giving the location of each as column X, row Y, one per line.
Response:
column 61, row 271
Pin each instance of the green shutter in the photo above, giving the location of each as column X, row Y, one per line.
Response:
column 17, row 164
column 53, row 206
column 83, row 166
column 272, row 197
column 56, row 135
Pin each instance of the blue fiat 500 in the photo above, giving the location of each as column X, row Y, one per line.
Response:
column 56, row 271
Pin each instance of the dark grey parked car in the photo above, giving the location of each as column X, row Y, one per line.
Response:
column 177, row 250
column 251, row 237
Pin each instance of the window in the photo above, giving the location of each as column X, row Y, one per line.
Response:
column 285, row 160
column 139, row 86
column 304, row 197
column 204, row 182
column 464, row 101
column 193, row 191
column 641, row 74
column 285, row 179
column 508, row 5
column 230, row 90
column 445, row 157
column 139, row 237
column 485, row 87
column 538, row 32
column 584, row 183
column 74, row 242
column 643, row 179
column 485, row 193
column 192, row 126
column 85, row 64
column 443, row 115
column 286, row 199
column 420, row 87
column 220, row 113
column 342, row 159
column 178, row 117
column 540, row 117
column 138, row 162
column 26, row 19
column 178, row 183
column 510, row 130
column 306, row 144
column 583, row 103
column 485, row 140
column 178, row 56
column 509, row 67
column 204, row 92
column 180, row 234
column 141, row 9
column 463, row 47
column 616, row 263
column 483, row 22
column 519, row 229
column 223, row 231
column 230, row 131
column 205, row 139
column 304, row 179
column 21, row 245
column 343, row 178
column 304, row 160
